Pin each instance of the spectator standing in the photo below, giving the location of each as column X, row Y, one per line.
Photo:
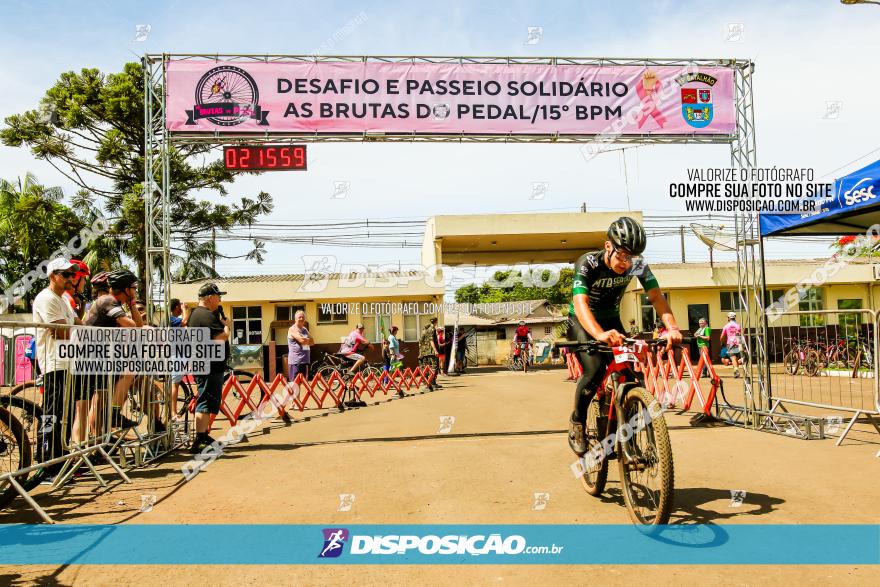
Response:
column 299, row 343
column 74, row 293
column 209, row 314
column 394, row 350
column 50, row 307
column 460, row 350
column 428, row 351
column 633, row 329
column 703, row 335
column 441, row 348
column 177, row 319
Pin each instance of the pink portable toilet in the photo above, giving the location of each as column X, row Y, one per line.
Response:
column 24, row 370
column 4, row 379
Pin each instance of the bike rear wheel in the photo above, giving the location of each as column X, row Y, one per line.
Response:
column 811, row 362
column 336, row 386
column 15, row 452
column 645, row 461
column 595, row 473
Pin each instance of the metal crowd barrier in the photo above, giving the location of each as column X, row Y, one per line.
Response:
column 825, row 360
column 67, row 419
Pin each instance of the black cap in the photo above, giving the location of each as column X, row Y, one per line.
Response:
column 210, row 289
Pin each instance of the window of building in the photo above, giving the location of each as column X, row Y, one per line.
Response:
column 413, row 325
column 332, row 313
column 376, row 327
column 773, row 296
column 287, row 312
column 247, row 325
column 850, row 323
column 548, row 329
column 648, row 314
column 813, row 300
column 731, row 302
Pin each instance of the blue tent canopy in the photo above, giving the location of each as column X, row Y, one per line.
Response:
column 854, row 208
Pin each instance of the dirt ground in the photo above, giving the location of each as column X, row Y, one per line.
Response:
column 508, row 441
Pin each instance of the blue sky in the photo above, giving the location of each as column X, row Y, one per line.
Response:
column 807, row 53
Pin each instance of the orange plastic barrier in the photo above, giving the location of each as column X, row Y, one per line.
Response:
column 574, row 367
column 315, row 392
column 657, row 369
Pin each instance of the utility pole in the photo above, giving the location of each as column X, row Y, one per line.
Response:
column 681, row 233
column 214, row 250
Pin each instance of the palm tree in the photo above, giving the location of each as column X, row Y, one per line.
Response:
column 34, row 224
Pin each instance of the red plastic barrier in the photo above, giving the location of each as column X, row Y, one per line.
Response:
column 657, row 369
column 279, row 393
column 574, row 367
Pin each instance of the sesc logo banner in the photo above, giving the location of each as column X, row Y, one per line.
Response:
column 431, row 544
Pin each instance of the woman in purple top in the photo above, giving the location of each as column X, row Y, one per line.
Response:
column 298, row 347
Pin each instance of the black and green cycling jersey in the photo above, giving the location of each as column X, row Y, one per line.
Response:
column 603, row 286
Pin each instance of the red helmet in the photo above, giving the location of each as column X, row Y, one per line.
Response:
column 82, row 270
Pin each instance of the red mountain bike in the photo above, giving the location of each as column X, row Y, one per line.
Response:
column 625, row 422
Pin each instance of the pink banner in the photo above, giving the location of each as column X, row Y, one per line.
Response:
column 431, row 98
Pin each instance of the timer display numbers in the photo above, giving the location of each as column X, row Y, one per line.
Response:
column 265, row 157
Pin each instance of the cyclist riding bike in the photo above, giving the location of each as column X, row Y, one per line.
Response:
column 354, row 342
column 600, row 279
column 522, row 340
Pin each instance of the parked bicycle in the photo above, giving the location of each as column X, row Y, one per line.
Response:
column 801, row 354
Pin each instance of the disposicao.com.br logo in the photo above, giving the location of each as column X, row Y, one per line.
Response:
column 394, row 544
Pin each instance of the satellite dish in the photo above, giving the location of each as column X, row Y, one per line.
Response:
column 715, row 238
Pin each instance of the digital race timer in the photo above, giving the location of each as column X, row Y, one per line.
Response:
column 265, row 157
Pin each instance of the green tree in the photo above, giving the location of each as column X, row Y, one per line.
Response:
column 509, row 286
column 90, row 127
column 33, row 225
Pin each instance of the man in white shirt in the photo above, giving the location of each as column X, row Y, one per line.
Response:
column 50, row 308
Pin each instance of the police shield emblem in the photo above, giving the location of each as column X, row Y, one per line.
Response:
column 696, row 106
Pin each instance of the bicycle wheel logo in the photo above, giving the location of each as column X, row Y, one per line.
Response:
column 227, row 96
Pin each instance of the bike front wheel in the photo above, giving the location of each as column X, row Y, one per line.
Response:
column 595, row 473
column 792, row 363
column 811, row 363
column 645, row 460
column 15, row 452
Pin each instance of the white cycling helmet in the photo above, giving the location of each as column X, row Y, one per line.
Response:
column 731, row 315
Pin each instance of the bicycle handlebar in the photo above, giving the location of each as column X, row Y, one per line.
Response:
column 599, row 344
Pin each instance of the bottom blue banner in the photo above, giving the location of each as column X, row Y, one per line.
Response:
column 439, row 544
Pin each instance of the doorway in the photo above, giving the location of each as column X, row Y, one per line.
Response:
column 695, row 312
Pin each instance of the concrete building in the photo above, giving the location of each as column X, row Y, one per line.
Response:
column 697, row 290
column 262, row 308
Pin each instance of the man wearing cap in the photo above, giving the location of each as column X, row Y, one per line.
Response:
column 49, row 307
column 209, row 314
column 428, row 351
column 703, row 334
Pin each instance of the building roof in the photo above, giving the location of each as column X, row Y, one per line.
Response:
column 301, row 277
column 779, row 273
